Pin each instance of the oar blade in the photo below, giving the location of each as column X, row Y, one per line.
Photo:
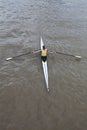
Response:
column 79, row 57
column 10, row 58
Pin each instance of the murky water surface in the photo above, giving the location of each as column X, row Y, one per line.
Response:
column 24, row 101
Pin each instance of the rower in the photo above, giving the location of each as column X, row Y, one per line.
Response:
column 44, row 54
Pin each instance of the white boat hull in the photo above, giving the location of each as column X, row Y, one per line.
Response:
column 45, row 69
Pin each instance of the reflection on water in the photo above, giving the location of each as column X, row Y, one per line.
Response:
column 24, row 102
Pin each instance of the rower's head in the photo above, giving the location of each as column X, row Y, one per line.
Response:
column 44, row 47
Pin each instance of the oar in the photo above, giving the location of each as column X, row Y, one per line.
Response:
column 76, row 56
column 33, row 52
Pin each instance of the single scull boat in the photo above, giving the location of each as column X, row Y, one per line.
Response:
column 44, row 65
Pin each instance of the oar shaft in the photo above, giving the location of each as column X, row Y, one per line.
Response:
column 65, row 54
column 10, row 58
column 79, row 57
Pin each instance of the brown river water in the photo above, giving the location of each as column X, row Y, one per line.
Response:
column 25, row 103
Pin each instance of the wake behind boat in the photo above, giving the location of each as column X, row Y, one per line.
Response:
column 44, row 65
